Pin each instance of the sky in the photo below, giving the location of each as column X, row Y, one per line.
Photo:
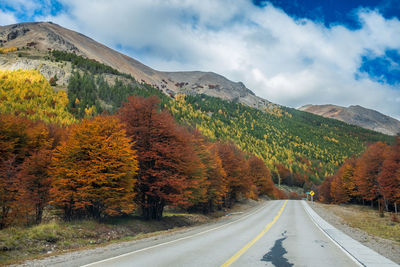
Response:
column 290, row 52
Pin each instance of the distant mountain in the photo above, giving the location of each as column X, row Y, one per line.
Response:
column 357, row 115
column 44, row 36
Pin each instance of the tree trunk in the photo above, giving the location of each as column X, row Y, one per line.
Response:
column 39, row 214
column 395, row 207
column 386, row 204
column 380, row 208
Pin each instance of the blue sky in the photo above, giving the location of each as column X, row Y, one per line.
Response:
column 290, row 52
column 332, row 12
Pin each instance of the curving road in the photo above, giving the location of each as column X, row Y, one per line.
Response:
column 279, row 233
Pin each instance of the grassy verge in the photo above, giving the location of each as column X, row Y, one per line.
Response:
column 368, row 220
column 21, row 243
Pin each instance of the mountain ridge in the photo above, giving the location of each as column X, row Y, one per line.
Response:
column 50, row 36
column 357, row 115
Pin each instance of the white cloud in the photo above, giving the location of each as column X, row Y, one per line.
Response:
column 290, row 62
column 7, row 18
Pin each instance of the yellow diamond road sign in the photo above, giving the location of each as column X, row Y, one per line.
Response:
column 312, row 193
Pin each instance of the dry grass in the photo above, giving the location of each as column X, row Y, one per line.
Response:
column 368, row 220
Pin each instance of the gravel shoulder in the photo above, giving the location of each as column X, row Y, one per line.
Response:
column 335, row 215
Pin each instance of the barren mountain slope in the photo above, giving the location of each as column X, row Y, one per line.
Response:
column 357, row 115
column 46, row 35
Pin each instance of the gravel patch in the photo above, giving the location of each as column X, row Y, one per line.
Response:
column 388, row 248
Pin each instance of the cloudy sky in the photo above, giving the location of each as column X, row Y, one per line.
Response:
column 291, row 52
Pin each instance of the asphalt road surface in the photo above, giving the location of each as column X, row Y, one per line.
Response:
column 280, row 233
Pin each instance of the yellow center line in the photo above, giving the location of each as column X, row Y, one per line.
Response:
column 248, row 245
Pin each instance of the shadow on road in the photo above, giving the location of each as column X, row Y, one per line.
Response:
column 275, row 255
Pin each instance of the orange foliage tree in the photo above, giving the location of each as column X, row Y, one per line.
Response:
column 343, row 186
column 94, row 170
column 218, row 183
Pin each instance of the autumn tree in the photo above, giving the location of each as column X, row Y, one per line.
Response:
column 163, row 155
column 236, row 168
column 261, row 176
column 324, row 190
column 343, row 187
column 368, row 167
column 13, row 150
column 19, row 139
column 216, row 177
column 94, row 170
column 33, row 183
column 389, row 177
column 198, row 167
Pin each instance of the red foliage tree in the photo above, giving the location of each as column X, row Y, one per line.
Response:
column 261, row 176
column 324, row 190
column 163, row 154
column 19, row 138
column 367, row 169
column 389, row 178
column 238, row 180
column 34, row 183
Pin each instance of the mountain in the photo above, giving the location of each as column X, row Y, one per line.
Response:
column 44, row 36
column 357, row 115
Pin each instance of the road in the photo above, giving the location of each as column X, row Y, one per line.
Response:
column 280, row 233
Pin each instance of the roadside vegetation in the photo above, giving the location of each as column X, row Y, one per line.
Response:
column 372, row 178
column 367, row 219
column 19, row 243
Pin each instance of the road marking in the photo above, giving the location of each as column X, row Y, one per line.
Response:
column 248, row 245
column 175, row 240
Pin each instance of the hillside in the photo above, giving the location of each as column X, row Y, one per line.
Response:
column 43, row 36
column 299, row 147
column 311, row 147
column 357, row 115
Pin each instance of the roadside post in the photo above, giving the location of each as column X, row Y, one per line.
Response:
column 312, row 195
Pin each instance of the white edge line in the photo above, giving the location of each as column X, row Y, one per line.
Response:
column 172, row 241
column 359, row 263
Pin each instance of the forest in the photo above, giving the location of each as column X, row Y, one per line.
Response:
column 300, row 148
column 373, row 177
column 139, row 159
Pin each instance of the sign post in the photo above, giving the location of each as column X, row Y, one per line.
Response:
column 312, row 195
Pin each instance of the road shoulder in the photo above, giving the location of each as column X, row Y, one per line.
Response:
column 364, row 255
